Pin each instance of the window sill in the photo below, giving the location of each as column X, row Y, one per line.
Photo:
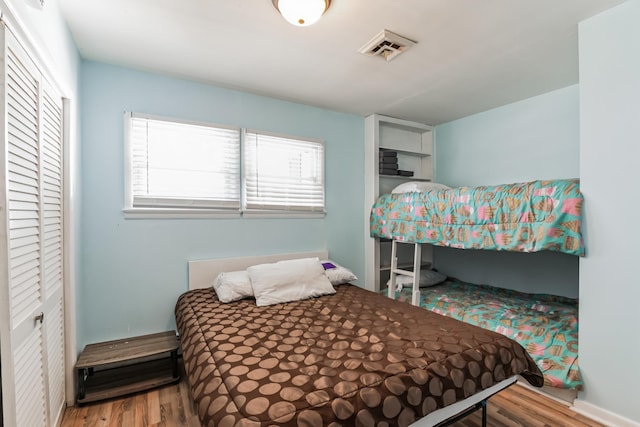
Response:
column 160, row 213
column 282, row 214
column 142, row 213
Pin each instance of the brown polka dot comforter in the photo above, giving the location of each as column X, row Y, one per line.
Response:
column 355, row 358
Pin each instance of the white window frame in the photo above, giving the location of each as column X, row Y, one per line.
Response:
column 134, row 212
column 288, row 212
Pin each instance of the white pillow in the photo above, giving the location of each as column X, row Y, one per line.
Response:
column 427, row 278
column 233, row 286
column 420, row 186
column 289, row 280
column 336, row 273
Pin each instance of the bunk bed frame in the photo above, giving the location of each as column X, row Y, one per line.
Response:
column 414, row 274
column 523, row 217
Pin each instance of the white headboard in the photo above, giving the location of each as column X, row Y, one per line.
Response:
column 203, row 272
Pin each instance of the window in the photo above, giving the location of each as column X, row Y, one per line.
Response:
column 182, row 165
column 282, row 173
column 177, row 168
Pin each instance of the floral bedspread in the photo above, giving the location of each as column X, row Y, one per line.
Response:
column 524, row 217
column 545, row 325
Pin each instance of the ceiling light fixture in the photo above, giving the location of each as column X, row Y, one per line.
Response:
column 301, row 13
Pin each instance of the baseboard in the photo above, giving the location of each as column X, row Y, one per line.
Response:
column 601, row 415
column 563, row 396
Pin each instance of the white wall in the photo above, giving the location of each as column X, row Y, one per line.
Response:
column 48, row 32
column 610, row 174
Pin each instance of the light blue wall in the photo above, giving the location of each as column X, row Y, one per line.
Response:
column 532, row 139
column 610, row 152
column 134, row 270
column 537, row 138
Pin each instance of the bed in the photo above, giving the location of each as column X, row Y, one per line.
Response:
column 351, row 358
column 545, row 325
column 534, row 216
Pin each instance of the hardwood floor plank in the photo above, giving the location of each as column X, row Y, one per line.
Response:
column 499, row 417
column 191, row 413
column 76, row 416
column 552, row 406
column 141, row 412
column 538, row 409
column 95, row 416
column 171, row 404
column 117, row 413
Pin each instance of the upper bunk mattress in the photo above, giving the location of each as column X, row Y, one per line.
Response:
column 525, row 217
column 352, row 357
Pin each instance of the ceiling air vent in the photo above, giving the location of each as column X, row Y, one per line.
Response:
column 387, row 45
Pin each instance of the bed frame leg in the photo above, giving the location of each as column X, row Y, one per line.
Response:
column 480, row 405
column 484, row 413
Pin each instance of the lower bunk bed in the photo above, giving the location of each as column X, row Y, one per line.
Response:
column 545, row 325
column 349, row 357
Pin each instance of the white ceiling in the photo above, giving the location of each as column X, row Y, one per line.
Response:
column 471, row 55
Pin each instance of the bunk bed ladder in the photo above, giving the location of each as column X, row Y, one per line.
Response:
column 415, row 274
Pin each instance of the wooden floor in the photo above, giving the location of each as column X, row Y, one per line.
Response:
column 519, row 406
column 171, row 406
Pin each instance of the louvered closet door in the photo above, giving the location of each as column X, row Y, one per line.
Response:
column 51, row 212
column 32, row 340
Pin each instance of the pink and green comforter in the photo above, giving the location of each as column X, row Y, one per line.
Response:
column 525, row 217
column 545, row 325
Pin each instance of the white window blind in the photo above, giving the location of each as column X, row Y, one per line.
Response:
column 176, row 164
column 283, row 173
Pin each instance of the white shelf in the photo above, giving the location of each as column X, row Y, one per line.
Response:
column 403, row 178
column 413, row 143
column 407, row 152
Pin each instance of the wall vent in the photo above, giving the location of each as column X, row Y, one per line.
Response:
column 387, row 45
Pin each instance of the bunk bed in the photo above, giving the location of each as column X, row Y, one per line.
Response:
column 351, row 357
column 522, row 217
